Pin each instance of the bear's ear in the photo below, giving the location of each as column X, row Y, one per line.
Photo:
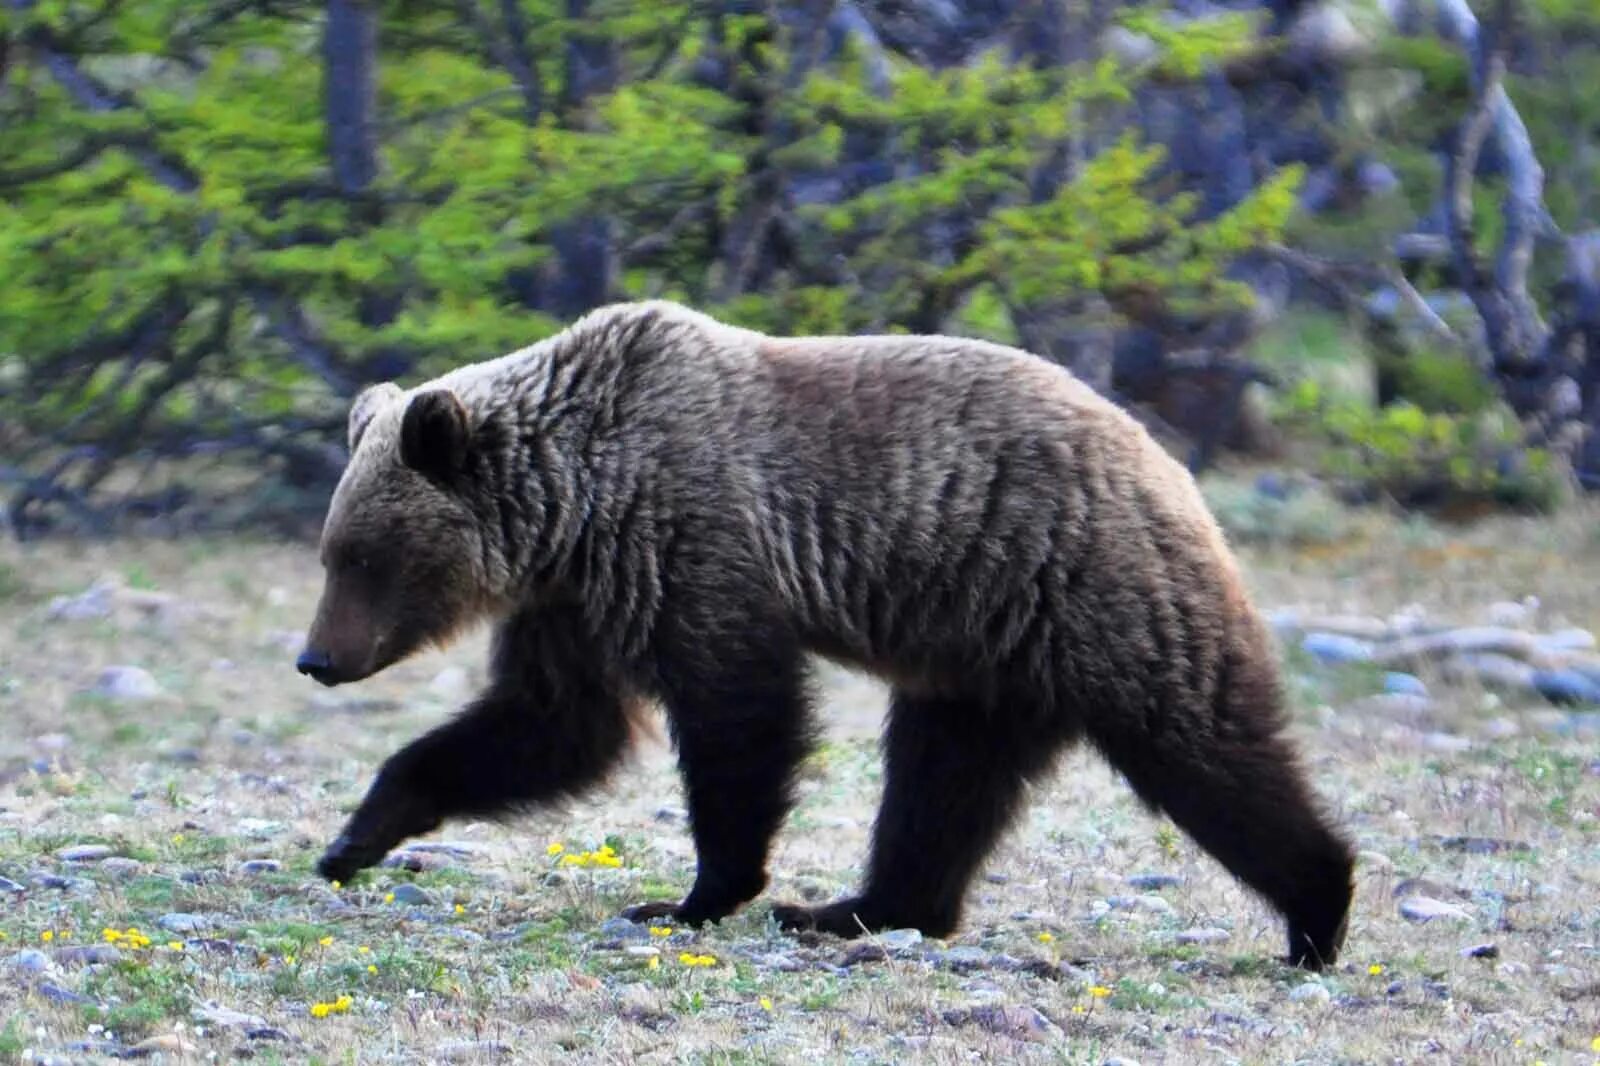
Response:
column 435, row 434
column 368, row 402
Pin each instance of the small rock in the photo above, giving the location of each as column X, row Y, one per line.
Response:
column 1377, row 860
column 62, row 884
column 414, row 895
column 52, row 991
column 1510, row 613
column 417, row 861
column 96, row 601
column 1015, row 1021
column 183, row 923
column 258, row 828
column 1399, row 684
column 621, row 929
column 127, row 684
column 1448, row 743
column 779, row 962
column 1118, row 1060
column 165, row 1044
column 1482, row 845
column 1148, row 903
column 256, row 867
column 900, row 939
column 670, row 814
column 472, row 1050
column 964, row 958
column 1566, row 686
column 121, row 868
column 642, row 951
column 88, row 955
column 85, row 853
column 215, row 1014
column 1153, row 882
column 1336, row 648
column 1310, row 992
column 8, row 885
column 863, row 951
column 1567, row 640
column 1203, row 934
column 1481, row 951
column 1427, row 909
column 456, row 849
column 29, row 960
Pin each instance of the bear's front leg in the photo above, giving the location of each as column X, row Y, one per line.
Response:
column 549, row 726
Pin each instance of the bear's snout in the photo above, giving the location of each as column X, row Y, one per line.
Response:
column 317, row 665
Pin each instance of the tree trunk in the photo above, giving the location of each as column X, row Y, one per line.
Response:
column 349, row 56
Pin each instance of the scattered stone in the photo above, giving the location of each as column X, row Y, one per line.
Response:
column 1016, row 1022
column 1427, row 909
column 258, row 828
column 863, row 951
column 1377, row 860
column 1310, row 992
column 200, row 877
column 642, row 951
column 672, row 815
column 31, row 960
column 1572, row 639
column 45, row 879
column 779, row 962
column 1336, row 648
column 900, row 939
column 1203, row 934
column 472, row 1050
column 215, row 1014
column 1118, row 1060
column 96, row 601
column 1153, row 882
column 1421, row 886
column 183, row 923
column 1511, row 613
column 1482, row 845
column 8, row 885
column 1566, row 686
column 85, row 853
column 127, row 684
column 88, row 955
column 1481, row 951
column 52, row 991
column 1448, row 743
column 121, row 868
column 964, row 958
column 1401, row 684
column 257, row 867
column 1148, row 903
column 414, row 895
column 165, row 1044
column 622, row 929
column 417, row 861
column 266, row 1032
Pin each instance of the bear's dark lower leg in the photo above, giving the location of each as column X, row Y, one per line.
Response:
column 537, row 735
column 1244, row 799
column 955, row 776
column 739, row 742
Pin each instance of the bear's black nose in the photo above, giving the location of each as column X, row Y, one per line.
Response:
column 315, row 665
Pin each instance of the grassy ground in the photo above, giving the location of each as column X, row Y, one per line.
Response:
column 217, row 793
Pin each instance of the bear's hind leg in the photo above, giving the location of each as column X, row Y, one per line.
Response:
column 1239, row 792
column 741, row 734
column 956, row 771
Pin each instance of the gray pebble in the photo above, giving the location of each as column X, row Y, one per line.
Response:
column 900, row 939
column 1336, row 648
column 622, row 929
column 88, row 955
column 53, row 991
column 120, row 867
column 1153, row 882
column 8, row 885
column 31, row 960
column 1203, row 935
column 185, row 924
column 127, row 684
column 1481, row 951
column 1427, row 909
column 1310, row 992
column 254, row 867
column 1399, row 684
column 85, row 853
column 964, row 957
column 414, row 895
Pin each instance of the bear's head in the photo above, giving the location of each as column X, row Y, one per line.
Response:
column 403, row 551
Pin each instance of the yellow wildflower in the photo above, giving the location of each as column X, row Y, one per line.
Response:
column 326, row 941
column 1375, row 969
column 175, row 945
column 65, row 934
column 47, row 936
column 654, row 963
column 343, row 1003
column 575, row 860
column 337, row 885
column 766, row 1004
column 111, row 935
column 388, row 897
column 178, row 838
column 1047, row 938
column 1079, row 1008
column 689, row 958
column 1594, row 1045
column 371, row 968
column 460, row 909
column 1099, row 991
column 321, row 1010
column 363, row 950
column 554, row 849
column 288, row 960
column 661, row 930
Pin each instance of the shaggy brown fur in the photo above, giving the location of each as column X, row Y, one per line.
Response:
column 656, row 506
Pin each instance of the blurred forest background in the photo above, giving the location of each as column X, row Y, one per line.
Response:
column 1355, row 240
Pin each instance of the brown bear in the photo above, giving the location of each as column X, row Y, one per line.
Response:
column 655, row 507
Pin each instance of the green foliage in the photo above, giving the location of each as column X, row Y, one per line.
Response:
column 1417, row 458
column 1440, row 381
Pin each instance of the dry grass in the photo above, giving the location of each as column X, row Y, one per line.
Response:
column 239, row 759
